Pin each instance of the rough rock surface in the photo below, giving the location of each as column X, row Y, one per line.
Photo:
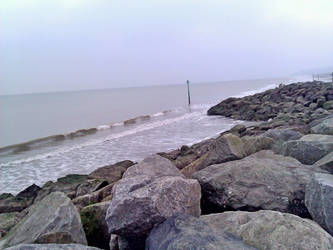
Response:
column 263, row 180
column 326, row 163
column 55, row 237
column 325, row 127
column 308, row 149
column 190, row 233
column 111, row 173
column 319, row 200
column 152, row 191
column 272, row 230
column 51, row 247
column 55, row 213
column 67, row 185
column 7, row 221
column 10, row 203
column 94, row 224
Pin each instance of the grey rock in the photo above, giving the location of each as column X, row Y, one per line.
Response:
column 326, row 163
column 272, row 230
column 51, row 247
column 55, row 213
column 255, row 182
column 94, row 224
column 185, row 232
column 283, row 134
column 90, row 186
column 325, row 127
column 55, row 237
column 319, row 200
column 152, row 191
column 7, row 221
column 309, row 149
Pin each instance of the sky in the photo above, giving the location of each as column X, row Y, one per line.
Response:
column 60, row 45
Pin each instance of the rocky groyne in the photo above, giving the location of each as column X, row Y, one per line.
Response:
column 264, row 186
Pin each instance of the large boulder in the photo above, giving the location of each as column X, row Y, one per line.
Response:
column 51, row 247
column 263, row 180
column 319, row 200
column 272, row 230
column 309, row 149
column 10, row 203
column 326, row 163
column 111, row 173
column 152, row 191
column 94, row 224
column 55, row 213
column 190, row 233
column 325, row 127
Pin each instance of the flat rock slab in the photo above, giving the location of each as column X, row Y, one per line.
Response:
column 51, row 247
column 319, row 200
column 263, row 180
column 308, row 149
column 55, row 213
column 272, row 230
column 190, row 233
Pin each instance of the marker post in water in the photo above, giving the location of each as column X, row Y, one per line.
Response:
column 188, row 92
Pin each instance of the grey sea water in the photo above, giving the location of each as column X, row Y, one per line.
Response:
column 162, row 121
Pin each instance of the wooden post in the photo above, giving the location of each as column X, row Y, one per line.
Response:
column 188, row 92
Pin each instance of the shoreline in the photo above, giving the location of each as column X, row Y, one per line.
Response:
column 291, row 140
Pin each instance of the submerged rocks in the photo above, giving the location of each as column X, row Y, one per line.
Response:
column 272, row 230
column 319, row 200
column 263, row 180
column 152, row 191
column 55, row 213
column 309, row 148
column 187, row 232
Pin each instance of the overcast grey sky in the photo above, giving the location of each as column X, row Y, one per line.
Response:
column 55, row 45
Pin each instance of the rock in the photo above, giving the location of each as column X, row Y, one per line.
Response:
column 51, row 247
column 10, row 203
column 319, row 200
column 7, row 221
column 152, row 191
column 119, row 243
column 254, row 183
column 90, row 186
column 103, row 194
column 328, row 105
column 325, row 127
column 225, row 148
column 271, row 230
column 253, row 144
column 114, row 242
column 283, row 134
column 67, row 185
column 187, row 232
column 238, row 129
column 55, row 237
column 111, row 173
column 326, row 163
column 55, row 213
column 309, row 149
column 94, row 224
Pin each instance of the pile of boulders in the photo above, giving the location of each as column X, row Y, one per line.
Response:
column 264, row 186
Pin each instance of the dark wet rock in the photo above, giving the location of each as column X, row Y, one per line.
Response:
column 51, row 247
column 94, row 224
column 326, row 163
column 10, row 203
column 325, row 127
column 308, row 149
column 272, row 230
column 190, row 233
column 319, row 200
column 111, row 173
column 255, row 183
column 81, row 132
column 67, row 185
column 152, row 191
column 55, row 213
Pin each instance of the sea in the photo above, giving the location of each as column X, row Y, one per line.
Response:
column 45, row 136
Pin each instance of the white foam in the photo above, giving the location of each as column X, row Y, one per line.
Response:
column 103, row 127
column 157, row 114
column 117, row 124
column 255, row 91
